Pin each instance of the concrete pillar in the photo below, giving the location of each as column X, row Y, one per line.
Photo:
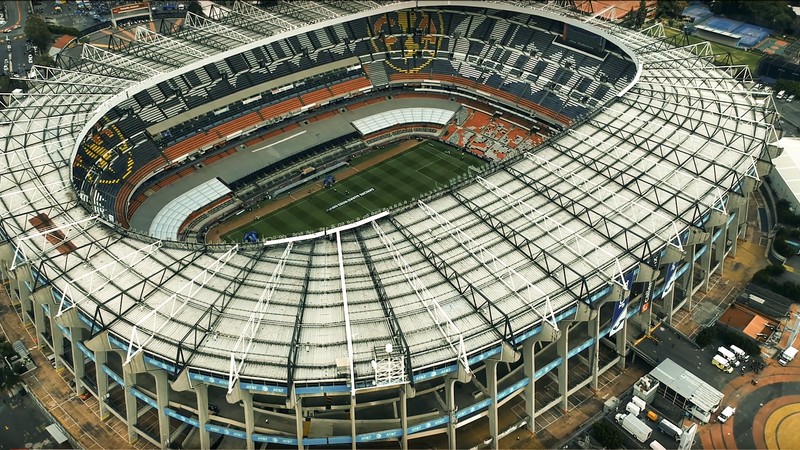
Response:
column 404, row 418
column 162, row 398
column 201, row 391
column 77, row 358
column 131, row 413
column 594, row 350
column 20, row 276
column 353, row 419
column 705, row 260
column 562, row 349
column 57, row 336
column 719, row 254
column 101, row 359
column 249, row 418
column 669, row 304
column 298, row 413
column 491, row 387
column 529, row 367
column 622, row 344
column 38, row 323
column 450, row 399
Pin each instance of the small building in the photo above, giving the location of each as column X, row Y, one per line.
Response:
column 785, row 177
column 686, row 390
column 60, row 44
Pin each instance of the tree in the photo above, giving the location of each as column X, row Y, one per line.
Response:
column 196, row 8
column 36, row 30
column 641, row 14
column 44, row 59
column 8, row 378
column 670, row 8
column 607, row 434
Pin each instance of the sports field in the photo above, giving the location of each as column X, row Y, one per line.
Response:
column 418, row 170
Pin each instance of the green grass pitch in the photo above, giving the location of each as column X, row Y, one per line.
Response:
column 418, row 170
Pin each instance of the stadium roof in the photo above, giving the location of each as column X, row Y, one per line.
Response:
column 451, row 278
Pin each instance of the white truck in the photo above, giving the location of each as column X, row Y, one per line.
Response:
column 634, row 426
column 787, row 356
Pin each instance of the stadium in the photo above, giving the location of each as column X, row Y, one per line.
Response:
column 615, row 179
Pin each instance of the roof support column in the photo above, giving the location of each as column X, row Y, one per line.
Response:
column 78, row 357
column 299, row 421
column 622, row 343
column 450, row 398
column 507, row 355
column 162, row 399
column 249, row 419
column 131, row 413
column 721, row 246
column 491, row 386
column 201, row 391
column 101, row 359
column 594, row 350
column 705, row 260
column 404, row 416
column 562, row 349
column 38, row 320
column 21, row 293
column 549, row 333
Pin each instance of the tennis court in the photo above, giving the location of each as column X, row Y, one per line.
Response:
column 772, row 46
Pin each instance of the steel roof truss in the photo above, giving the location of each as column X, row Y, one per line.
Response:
column 251, row 328
column 172, row 306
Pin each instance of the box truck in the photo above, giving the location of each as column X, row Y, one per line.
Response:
column 670, row 429
column 787, row 356
column 634, row 426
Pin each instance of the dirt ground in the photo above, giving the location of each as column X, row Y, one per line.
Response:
column 214, row 233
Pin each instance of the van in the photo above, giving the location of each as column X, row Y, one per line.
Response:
column 722, row 364
column 670, row 429
column 52, row 358
column 740, row 354
column 639, row 402
column 633, row 409
column 790, row 98
column 780, row 94
column 729, row 355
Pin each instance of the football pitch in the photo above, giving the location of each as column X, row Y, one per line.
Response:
column 420, row 169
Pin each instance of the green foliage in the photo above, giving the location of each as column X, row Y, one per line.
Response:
column 608, row 435
column 37, row 31
column 59, row 30
column 791, row 87
column 725, row 336
column 773, row 14
column 8, row 378
column 44, row 60
column 6, row 349
column 670, row 8
column 641, row 14
column 706, row 336
column 194, row 7
column 765, row 278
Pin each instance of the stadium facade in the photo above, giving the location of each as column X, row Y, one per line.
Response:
column 546, row 265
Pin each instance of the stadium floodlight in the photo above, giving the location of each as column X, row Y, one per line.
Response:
column 251, row 328
column 572, row 240
column 172, row 306
column 449, row 331
column 522, row 288
column 101, row 275
column 20, row 254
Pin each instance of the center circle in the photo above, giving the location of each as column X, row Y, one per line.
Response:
column 781, row 428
